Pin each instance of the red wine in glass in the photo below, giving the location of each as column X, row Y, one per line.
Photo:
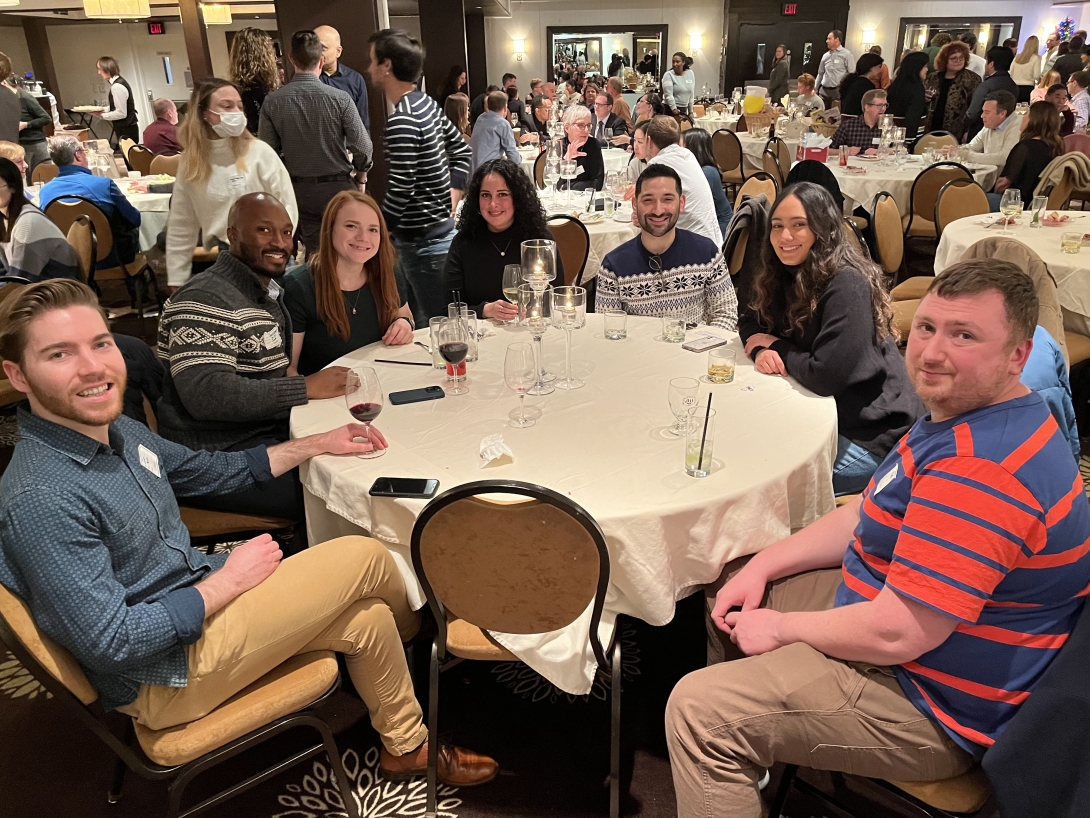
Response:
column 363, row 398
column 454, row 352
column 365, row 412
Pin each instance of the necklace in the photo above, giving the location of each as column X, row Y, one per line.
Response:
column 357, row 301
column 502, row 252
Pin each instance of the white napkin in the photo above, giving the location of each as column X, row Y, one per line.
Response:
column 492, row 448
column 813, row 140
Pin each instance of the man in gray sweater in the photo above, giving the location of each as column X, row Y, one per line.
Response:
column 225, row 340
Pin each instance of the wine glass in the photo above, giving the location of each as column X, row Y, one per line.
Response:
column 682, row 398
column 1010, row 205
column 616, row 183
column 551, row 176
column 520, row 374
column 569, row 170
column 512, row 278
column 363, row 396
column 534, row 315
column 569, row 312
column 453, row 348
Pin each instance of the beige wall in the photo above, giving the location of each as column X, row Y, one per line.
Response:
column 13, row 43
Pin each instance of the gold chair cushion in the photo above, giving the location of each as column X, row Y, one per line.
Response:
column 286, row 689
column 965, row 793
column 920, row 226
column 910, row 288
column 60, row 664
column 732, row 177
column 1078, row 346
column 470, row 642
column 903, row 313
column 203, row 522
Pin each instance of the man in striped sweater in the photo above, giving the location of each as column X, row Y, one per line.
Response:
column 428, row 168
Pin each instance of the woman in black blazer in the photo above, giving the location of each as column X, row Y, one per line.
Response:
column 907, row 95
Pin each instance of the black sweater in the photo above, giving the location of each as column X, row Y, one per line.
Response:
column 592, row 168
column 909, row 100
column 837, row 354
column 852, row 103
column 475, row 266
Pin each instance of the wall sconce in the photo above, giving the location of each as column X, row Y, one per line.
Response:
column 694, row 42
column 869, row 36
column 518, row 47
column 982, row 37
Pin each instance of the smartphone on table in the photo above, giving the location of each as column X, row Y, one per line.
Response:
column 411, row 487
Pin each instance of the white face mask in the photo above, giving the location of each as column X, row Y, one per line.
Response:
column 232, row 123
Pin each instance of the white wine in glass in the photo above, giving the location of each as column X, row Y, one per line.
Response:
column 1010, row 205
column 512, row 278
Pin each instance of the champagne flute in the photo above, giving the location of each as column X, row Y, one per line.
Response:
column 363, row 396
column 551, row 177
column 519, row 374
column 453, row 348
column 512, row 278
column 1010, row 205
column 569, row 169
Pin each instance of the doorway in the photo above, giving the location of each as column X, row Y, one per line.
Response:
column 757, row 43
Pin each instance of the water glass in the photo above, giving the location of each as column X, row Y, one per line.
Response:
column 699, row 442
column 436, row 359
column 615, row 324
column 721, row 362
column 1071, row 242
column 673, row 328
column 1040, row 203
column 459, row 309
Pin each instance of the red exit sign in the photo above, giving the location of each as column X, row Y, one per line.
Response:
column 157, row 28
column 790, row 9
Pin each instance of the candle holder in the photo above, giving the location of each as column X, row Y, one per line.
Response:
column 538, row 262
column 534, row 308
column 569, row 312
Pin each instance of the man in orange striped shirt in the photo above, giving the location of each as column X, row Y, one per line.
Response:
column 904, row 655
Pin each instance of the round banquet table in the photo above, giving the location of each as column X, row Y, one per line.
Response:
column 605, row 235
column 861, row 188
column 1071, row 271
column 753, row 149
column 712, row 123
column 602, row 446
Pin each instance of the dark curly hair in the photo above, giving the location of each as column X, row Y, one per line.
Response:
column 831, row 254
column 529, row 214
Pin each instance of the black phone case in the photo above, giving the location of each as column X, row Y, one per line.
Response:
column 417, row 395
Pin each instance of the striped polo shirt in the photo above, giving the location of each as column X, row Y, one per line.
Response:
column 983, row 518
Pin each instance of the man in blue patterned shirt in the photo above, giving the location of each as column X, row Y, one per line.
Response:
column 92, row 540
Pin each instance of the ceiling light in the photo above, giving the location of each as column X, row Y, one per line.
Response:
column 116, row 9
column 216, row 14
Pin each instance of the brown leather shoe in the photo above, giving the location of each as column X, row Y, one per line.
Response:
column 458, row 767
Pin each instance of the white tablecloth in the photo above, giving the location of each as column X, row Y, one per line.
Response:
column 601, row 445
column 711, row 124
column 605, row 235
column 1071, row 271
column 154, row 209
column 753, row 150
column 612, row 158
column 861, row 188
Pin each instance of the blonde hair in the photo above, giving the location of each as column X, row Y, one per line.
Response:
column 253, row 60
column 12, row 151
column 1029, row 50
column 808, row 80
column 1048, row 79
column 196, row 135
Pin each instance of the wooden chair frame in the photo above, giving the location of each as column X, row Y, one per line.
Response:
column 89, row 280
column 140, row 158
column 610, row 665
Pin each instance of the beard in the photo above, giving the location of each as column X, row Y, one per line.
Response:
column 253, row 259
column 67, row 405
column 657, row 232
column 951, row 396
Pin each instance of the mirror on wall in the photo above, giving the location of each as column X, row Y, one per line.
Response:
column 592, row 49
column 916, row 33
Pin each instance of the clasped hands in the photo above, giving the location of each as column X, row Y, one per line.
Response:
column 738, row 614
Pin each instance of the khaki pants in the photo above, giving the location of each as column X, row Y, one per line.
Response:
column 345, row 595
column 728, row 722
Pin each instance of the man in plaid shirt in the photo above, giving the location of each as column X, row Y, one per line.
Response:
column 861, row 133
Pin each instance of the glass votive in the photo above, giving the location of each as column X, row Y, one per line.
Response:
column 699, row 440
column 721, row 362
column 1071, row 242
column 673, row 328
column 615, row 324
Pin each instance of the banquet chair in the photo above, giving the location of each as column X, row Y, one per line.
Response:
column 934, row 139
column 539, row 169
column 698, row 110
column 958, row 199
column 9, row 287
column 685, row 124
column 281, row 700
column 140, row 158
column 738, row 254
column 776, row 160
column 44, row 172
column 64, row 212
column 925, row 192
column 855, row 235
column 758, row 182
column 549, row 566
column 573, row 243
column 81, row 237
column 889, row 241
column 727, row 151
column 165, row 164
column 126, row 145
column 1077, row 142
column 718, row 107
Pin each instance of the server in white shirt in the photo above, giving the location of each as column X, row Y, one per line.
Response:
column 121, row 104
column 663, row 136
column 1001, row 130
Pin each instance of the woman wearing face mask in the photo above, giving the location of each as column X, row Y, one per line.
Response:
column 346, row 296
column 221, row 162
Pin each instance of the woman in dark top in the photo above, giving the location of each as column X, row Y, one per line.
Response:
column 1039, row 144
column 778, row 75
column 253, row 69
column 699, row 143
column 500, row 210
column 820, row 313
column 346, row 296
column 907, row 96
column 455, row 83
column 950, row 88
column 867, row 71
column 586, row 152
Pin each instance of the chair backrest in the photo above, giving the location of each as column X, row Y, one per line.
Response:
column 926, row 187
column 957, row 199
column 126, row 145
column 141, row 158
column 685, row 125
column 810, row 170
column 1060, row 194
column 698, row 109
column 935, row 139
column 81, row 235
column 43, row 172
column 550, row 564
column 738, row 255
column 573, row 245
column 759, row 182
column 718, row 107
column 889, row 240
column 1077, row 142
column 727, row 150
column 771, row 164
column 166, row 164
column 855, row 236
column 64, row 212
column 740, row 126
column 50, row 657
column 539, row 169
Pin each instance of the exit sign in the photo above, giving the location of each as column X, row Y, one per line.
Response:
column 790, row 9
column 157, row 28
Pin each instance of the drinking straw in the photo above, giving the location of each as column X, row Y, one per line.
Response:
column 704, row 436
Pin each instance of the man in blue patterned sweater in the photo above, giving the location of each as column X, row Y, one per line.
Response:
column 666, row 269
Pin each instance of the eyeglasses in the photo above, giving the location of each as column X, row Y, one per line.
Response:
column 602, row 105
column 880, row 105
column 582, row 126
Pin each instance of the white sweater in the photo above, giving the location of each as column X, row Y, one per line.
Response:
column 202, row 209
column 990, row 147
column 1026, row 73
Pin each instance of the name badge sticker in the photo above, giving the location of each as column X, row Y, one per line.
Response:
column 887, row 478
column 236, row 184
column 149, row 459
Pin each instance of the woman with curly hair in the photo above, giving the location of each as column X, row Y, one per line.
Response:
column 500, row 211
column 253, row 69
column 346, row 295
column 819, row 312
column 950, row 88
